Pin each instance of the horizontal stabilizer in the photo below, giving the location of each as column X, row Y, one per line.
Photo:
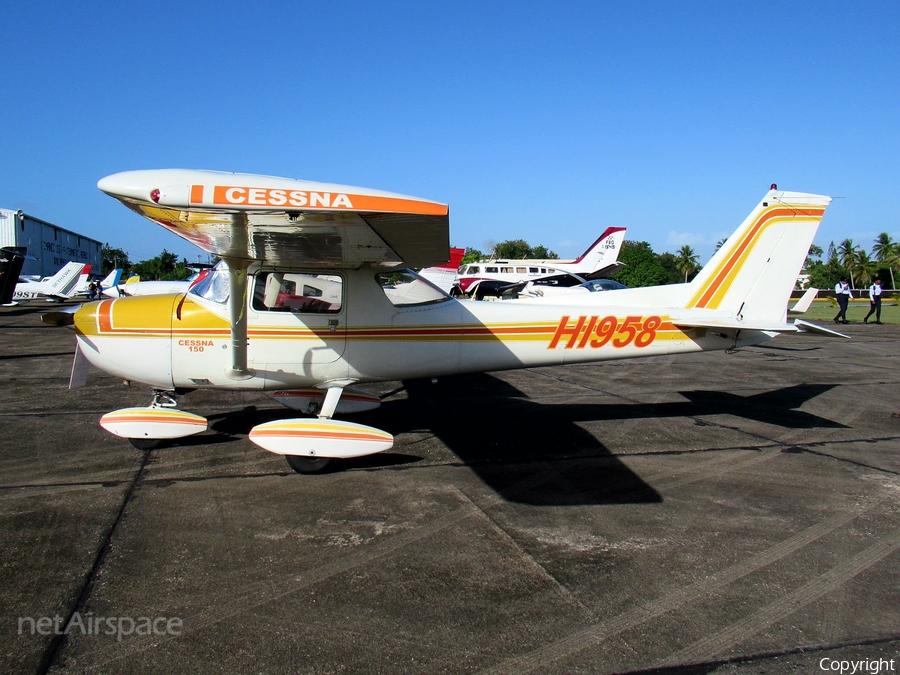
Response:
column 807, row 327
column 62, row 317
column 734, row 324
column 799, row 326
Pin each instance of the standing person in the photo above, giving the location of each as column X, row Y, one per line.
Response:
column 874, row 302
column 843, row 295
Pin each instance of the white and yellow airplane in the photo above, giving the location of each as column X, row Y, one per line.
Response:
column 315, row 298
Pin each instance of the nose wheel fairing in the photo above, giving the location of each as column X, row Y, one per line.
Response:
column 153, row 423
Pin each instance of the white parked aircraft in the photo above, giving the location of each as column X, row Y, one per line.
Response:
column 58, row 287
column 135, row 287
column 545, row 288
column 379, row 320
column 496, row 277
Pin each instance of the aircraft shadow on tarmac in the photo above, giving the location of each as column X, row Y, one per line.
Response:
column 501, row 434
column 537, row 453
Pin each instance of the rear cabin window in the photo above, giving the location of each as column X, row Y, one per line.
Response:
column 533, row 270
column 405, row 288
column 521, row 270
column 298, row 293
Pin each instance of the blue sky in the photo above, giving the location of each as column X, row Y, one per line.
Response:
column 542, row 121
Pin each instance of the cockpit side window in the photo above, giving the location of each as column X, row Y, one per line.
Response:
column 298, row 293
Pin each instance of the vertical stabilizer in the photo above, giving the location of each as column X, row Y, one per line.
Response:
column 12, row 258
column 752, row 275
column 602, row 254
column 63, row 282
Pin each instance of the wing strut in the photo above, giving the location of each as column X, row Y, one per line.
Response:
column 237, row 314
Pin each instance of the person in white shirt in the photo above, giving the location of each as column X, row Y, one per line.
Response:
column 843, row 295
column 874, row 302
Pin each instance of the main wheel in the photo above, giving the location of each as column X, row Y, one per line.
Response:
column 302, row 464
column 145, row 443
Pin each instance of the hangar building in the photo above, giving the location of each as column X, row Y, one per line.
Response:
column 53, row 246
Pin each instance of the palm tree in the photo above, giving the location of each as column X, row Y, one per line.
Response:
column 847, row 252
column 885, row 252
column 721, row 243
column 866, row 268
column 687, row 261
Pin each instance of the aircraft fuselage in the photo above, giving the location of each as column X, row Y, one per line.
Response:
column 358, row 333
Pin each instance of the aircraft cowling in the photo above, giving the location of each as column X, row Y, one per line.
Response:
column 106, row 333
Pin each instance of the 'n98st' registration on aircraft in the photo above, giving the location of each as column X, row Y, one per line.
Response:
column 314, row 297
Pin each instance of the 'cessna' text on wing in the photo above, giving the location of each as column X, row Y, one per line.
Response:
column 256, row 196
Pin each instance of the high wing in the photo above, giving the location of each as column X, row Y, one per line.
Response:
column 288, row 222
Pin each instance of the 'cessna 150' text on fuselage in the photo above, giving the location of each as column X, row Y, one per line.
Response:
column 314, row 299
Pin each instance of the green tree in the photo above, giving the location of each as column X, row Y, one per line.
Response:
column 512, row 248
column 865, row 268
column 825, row 274
column 113, row 258
column 846, row 252
column 687, row 261
column 541, row 252
column 668, row 262
column 471, row 255
column 517, row 249
column 164, row 267
column 886, row 252
column 642, row 266
column 814, row 252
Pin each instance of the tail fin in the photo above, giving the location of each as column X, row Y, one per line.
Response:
column 603, row 253
column 63, row 282
column 11, row 261
column 83, row 281
column 112, row 279
column 752, row 275
column 805, row 301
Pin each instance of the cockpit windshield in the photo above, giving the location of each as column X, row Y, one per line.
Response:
column 212, row 284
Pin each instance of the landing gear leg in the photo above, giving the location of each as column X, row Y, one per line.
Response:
column 161, row 399
column 302, row 464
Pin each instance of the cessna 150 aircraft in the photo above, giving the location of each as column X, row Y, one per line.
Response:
column 315, row 298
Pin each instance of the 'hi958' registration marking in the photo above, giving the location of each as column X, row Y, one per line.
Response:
column 598, row 332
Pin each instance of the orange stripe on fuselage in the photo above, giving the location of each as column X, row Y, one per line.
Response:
column 104, row 316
